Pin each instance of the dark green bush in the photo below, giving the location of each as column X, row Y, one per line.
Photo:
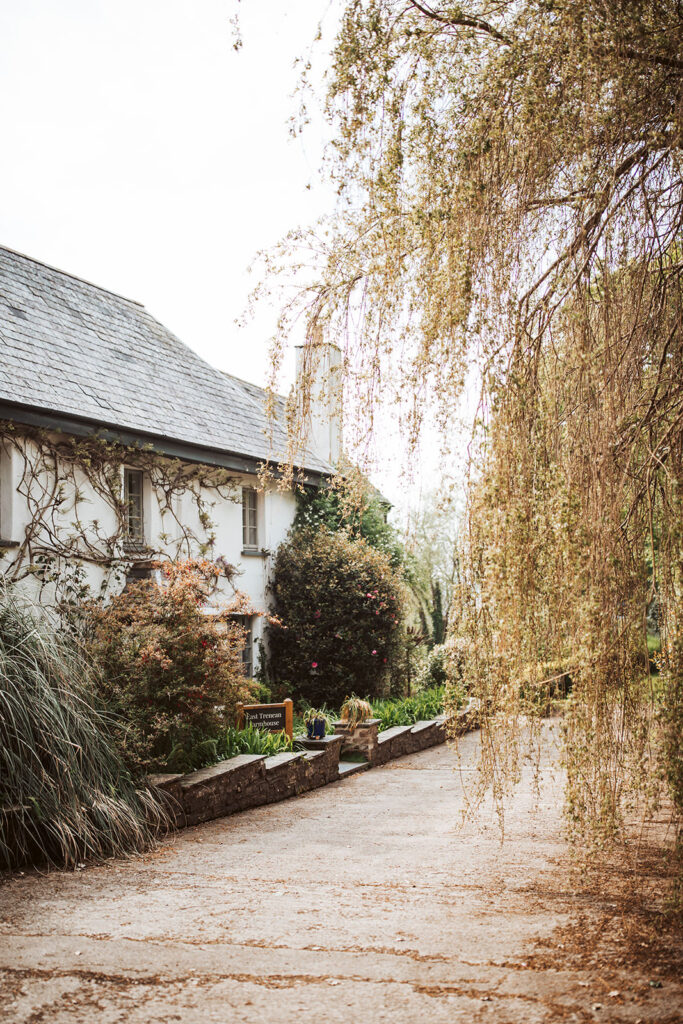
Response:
column 338, row 626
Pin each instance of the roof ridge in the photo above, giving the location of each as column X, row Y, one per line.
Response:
column 74, row 277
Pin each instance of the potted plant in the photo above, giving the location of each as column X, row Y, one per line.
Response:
column 317, row 723
column 353, row 711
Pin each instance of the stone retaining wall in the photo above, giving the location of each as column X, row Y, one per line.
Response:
column 251, row 780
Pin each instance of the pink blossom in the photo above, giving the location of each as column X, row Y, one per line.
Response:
column 317, row 614
column 374, row 652
column 314, row 664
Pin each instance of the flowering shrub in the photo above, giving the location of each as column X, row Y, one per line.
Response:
column 172, row 673
column 339, row 620
column 443, row 664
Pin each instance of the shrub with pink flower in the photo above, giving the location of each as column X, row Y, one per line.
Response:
column 339, row 618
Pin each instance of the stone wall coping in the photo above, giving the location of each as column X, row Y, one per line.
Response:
column 395, row 730
column 423, row 724
column 285, row 757
column 222, row 768
column 163, row 780
column 368, row 723
column 320, row 743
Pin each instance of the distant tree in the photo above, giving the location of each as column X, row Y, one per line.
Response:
column 361, row 513
column 432, row 545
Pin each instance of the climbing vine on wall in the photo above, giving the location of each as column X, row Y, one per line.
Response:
column 58, row 477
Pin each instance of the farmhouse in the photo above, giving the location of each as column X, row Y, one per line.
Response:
column 120, row 447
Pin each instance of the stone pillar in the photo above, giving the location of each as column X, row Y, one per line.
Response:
column 359, row 740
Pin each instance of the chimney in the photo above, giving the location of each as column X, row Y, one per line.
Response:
column 319, row 373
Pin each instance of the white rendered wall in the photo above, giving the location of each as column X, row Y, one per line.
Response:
column 276, row 510
column 62, row 512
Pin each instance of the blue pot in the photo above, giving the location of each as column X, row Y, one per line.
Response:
column 316, row 729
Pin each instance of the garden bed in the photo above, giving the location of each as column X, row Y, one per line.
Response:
column 251, row 780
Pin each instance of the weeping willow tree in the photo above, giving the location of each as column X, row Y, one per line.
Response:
column 574, row 535
column 510, row 192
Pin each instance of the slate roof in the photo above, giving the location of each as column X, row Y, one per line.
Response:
column 71, row 348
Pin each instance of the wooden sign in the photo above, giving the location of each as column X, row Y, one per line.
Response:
column 271, row 717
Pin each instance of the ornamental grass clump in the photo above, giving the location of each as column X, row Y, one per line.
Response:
column 65, row 795
column 354, row 711
column 173, row 673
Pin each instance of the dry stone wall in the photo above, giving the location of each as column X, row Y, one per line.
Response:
column 251, row 780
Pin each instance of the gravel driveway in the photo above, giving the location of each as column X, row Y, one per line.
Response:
column 362, row 901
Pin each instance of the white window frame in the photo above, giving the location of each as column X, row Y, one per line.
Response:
column 247, row 623
column 137, row 537
column 250, row 517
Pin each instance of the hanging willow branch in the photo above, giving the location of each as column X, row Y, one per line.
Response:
column 511, row 193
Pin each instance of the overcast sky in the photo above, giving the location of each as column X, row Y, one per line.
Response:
column 141, row 152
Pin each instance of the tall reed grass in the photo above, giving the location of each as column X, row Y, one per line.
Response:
column 65, row 795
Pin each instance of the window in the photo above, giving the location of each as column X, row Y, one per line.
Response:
column 249, row 519
column 132, row 497
column 245, row 622
column 5, row 495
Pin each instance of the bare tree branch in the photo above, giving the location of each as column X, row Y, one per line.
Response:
column 465, row 22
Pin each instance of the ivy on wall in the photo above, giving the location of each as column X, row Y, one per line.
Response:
column 58, row 475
